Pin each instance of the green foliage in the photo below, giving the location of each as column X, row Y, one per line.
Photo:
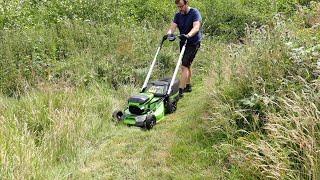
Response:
column 85, row 41
column 263, row 96
column 223, row 19
column 47, row 129
column 75, row 52
column 267, row 102
column 228, row 19
column 29, row 13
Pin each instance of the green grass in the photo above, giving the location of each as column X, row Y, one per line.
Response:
column 77, row 139
column 175, row 148
column 253, row 113
column 49, row 128
column 259, row 102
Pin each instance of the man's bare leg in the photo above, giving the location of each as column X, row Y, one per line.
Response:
column 184, row 77
column 189, row 76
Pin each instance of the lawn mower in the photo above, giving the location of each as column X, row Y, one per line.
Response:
column 155, row 99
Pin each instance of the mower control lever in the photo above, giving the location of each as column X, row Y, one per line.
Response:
column 170, row 37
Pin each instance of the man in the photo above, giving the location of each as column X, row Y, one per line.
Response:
column 188, row 21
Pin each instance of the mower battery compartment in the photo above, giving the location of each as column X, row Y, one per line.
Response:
column 139, row 99
column 160, row 88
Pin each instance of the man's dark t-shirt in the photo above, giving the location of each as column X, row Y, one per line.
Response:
column 185, row 24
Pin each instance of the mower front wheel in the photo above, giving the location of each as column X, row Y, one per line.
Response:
column 117, row 115
column 150, row 122
column 171, row 107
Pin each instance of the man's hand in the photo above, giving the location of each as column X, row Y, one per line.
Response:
column 184, row 37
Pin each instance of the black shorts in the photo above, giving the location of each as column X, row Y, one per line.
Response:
column 189, row 53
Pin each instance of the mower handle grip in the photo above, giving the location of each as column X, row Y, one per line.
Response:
column 181, row 37
column 173, row 37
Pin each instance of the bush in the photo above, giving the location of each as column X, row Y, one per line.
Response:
column 228, row 19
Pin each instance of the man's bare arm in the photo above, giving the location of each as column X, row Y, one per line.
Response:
column 172, row 28
column 195, row 29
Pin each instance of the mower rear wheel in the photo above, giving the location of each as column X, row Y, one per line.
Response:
column 150, row 122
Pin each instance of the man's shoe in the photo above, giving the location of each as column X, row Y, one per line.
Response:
column 188, row 88
column 180, row 93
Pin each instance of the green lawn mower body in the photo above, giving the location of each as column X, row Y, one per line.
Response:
column 149, row 107
column 156, row 99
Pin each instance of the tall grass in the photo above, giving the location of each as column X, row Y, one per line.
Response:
column 62, row 60
column 265, row 102
column 48, row 129
column 77, row 53
column 83, row 41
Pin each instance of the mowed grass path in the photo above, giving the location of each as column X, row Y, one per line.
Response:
column 177, row 147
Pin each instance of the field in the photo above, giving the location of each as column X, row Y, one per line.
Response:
column 67, row 65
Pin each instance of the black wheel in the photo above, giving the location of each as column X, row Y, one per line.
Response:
column 117, row 115
column 150, row 122
column 170, row 107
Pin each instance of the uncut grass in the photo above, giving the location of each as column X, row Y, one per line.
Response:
column 78, row 53
column 265, row 103
column 45, row 130
column 84, row 41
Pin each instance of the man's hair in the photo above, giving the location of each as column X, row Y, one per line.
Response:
column 185, row 1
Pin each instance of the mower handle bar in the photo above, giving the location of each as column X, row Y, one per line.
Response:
column 165, row 37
